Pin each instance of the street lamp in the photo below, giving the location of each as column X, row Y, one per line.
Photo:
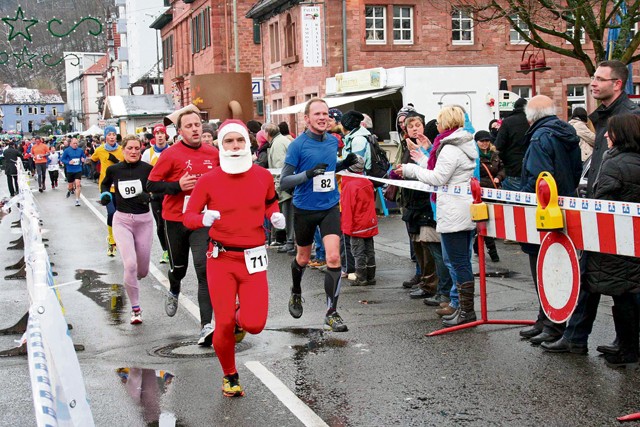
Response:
column 532, row 64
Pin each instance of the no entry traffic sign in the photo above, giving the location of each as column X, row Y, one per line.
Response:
column 558, row 276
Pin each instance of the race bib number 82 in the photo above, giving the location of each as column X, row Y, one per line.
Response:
column 325, row 182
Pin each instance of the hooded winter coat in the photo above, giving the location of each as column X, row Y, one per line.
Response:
column 457, row 157
column 554, row 148
column 619, row 179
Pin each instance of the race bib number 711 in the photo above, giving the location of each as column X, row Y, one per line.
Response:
column 256, row 259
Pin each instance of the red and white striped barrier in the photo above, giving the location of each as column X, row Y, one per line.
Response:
column 589, row 231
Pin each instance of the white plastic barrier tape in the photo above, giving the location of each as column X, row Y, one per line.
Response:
column 65, row 402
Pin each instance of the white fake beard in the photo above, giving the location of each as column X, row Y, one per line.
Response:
column 235, row 165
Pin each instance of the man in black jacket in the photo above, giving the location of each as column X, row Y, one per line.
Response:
column 607, row 86
column 11, row 156
column 511, row 145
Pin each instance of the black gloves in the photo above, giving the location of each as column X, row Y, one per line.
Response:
column 105, row 198
column 318, row 169
column 351, row 159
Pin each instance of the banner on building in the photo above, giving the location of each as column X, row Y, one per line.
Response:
column 311, row 36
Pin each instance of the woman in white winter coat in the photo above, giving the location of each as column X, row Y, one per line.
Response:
column 455, row 161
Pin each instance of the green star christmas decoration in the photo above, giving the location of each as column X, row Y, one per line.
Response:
column 21, row 58
column 26, row 24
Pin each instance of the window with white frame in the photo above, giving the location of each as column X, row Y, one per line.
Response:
column 18, row 111
column 514, row 36
column 571, row 27
column 576, row 97
column 54, row 111
column 375, row 24
column 522, row 91
column 42, row 110
column 402, row 25
column 461, row 27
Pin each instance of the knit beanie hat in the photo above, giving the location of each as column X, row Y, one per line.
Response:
column 482, row 135
column 351, row 120
column 254, row 126
column 110, row 129
column 160, row 128
column 335, row 114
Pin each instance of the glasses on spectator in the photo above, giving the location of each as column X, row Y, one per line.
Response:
column 600, row 79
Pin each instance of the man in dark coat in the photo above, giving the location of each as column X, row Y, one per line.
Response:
column 554, row 147
column 11, row 156
column 511, row 145
column 607, row 86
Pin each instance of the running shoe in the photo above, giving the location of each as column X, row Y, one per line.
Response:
column 68, row 194
column 165, row 257
column 317, row 264
column 295, row 305
column 239, row 332
column 231, row 386
column 111, row 249
column 171, row 304
column 352, row 277
column 333, row 322
column 78, row 204
column 136, row 317
column 206, row 335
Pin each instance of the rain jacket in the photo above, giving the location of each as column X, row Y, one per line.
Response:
column 457, row 157
column 357, row 199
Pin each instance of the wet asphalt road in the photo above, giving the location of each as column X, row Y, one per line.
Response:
column 382, row 372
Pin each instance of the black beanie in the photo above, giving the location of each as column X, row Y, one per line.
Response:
column 254, row 126
column 483, row 135
column 520, row 103
column 351, row 120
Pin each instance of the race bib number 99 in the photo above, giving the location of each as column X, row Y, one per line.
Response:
column 129, row 189
column 256, row 259
column 325, row 182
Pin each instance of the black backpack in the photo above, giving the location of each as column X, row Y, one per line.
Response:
column 379, row 161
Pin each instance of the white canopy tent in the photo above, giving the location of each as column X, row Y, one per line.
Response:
column 337, row 101
column 93, row 130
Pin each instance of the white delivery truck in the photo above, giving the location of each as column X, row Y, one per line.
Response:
column 428, row 88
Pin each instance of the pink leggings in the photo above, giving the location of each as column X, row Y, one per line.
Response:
column 227, row 277
column 133, row 234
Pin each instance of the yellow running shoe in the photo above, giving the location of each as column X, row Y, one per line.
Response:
column 231, row 386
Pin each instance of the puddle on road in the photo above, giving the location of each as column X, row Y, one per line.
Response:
column 146, row 387
column 306, row 388
column 108, row 296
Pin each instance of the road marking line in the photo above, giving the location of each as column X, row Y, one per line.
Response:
column 184, row 301
column 286, row 396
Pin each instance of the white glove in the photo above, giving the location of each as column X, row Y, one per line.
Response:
column 209, row 217
column 278, row 221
